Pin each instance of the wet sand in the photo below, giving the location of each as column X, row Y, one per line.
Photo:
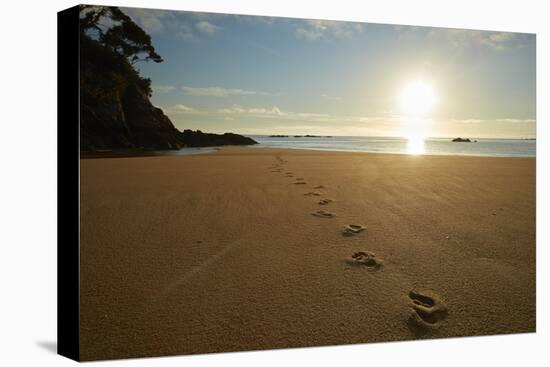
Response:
column 250, row 248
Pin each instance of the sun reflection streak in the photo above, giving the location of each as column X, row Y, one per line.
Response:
column 415, row 134
column 416, row 145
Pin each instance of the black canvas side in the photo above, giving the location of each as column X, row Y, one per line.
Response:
column 68, row 238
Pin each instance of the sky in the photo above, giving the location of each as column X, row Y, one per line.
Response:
column 264, row 75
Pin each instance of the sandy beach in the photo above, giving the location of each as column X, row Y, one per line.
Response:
column 252, row 248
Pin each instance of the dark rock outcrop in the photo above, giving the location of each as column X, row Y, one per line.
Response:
column 127, row 121
column 130, row 122
column 461, row 140
column 199, row 139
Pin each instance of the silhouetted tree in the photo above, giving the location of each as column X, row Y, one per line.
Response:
column 119, row 32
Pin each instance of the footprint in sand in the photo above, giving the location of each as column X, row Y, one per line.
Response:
column 323, row 214
column 325, row 201
column 365, row 258
column 319, row 187
column 312, row 193
column 428, row 309
column 353, row 229
column 300, row 183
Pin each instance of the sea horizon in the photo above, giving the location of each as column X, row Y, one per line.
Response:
column 492, row 147
column 380, row 136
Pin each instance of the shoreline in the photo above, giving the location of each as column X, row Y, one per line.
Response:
column 395, row 153
column 212, row 150
column 148, row 153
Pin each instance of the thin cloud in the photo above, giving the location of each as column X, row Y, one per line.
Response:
column 265, row 111
column 313, row 30
column 311, row 115
column 332, row 98
column 163, row 88
column 233, row 109
column 463, row 38
column 521, row 121
column 153, row 21
column 272, row 112
column 499, row 120
column 185, row 26
column 207, row 27
column 222, row 92
column 504, row 41
column 254, row 19
column 179, row 109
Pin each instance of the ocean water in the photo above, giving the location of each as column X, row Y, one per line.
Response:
column 429, row 146
column 187, row 151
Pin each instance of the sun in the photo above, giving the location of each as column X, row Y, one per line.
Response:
column 417, row 98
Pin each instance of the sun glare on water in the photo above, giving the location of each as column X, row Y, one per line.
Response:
column 417, row 101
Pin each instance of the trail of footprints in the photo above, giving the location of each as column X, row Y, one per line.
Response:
column 428, row 309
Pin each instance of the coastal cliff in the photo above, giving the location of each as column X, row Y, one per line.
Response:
column 115, row 108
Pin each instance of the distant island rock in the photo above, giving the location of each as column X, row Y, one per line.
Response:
column 462, row 140
column 299, row 136
column 311, row 136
